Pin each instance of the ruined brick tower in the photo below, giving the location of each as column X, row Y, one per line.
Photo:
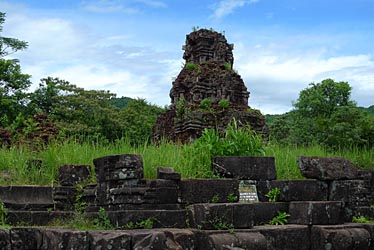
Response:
column 207, row 92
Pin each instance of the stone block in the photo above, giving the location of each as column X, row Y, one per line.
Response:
column 149, row 240
column 167, row 174
column 324, row 168
column 340, row 237
column 180, row 239
column 245, row 167
column 160, row 218
column 118, row 167
column 286, row 237
column 27, row 197
column 56, row 239
column 26, row 238
column 100, row 240
column 71, row 175
column 316, row 212
column 295, row 190
column 207, row 190
column 172, row 239
column 355, row 192
column 64, row 197
column 239, row 240
column 224, row 216
column 265, row 211
column 35, row 218
column 5, row 239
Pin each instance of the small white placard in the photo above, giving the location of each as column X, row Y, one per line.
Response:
column 247, row 191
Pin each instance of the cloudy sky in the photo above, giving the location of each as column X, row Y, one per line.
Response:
column 134, row 47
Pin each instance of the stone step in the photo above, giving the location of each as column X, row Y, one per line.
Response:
column 287, row 237
column 160, row 218
column 246, row 215
column 36, row 218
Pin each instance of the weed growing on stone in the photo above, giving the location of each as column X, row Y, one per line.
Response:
column 362, row 219
column 3, row 214
column 143, row 224
column 214, row 199
column 273, row 194
column 280, row 219
column 218, row 223
column 102, row 221
column 79, row 204
column 206, row 104
column 232, row 198
column 193, row 67
column 224, row 103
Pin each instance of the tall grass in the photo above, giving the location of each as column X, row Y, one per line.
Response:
column 185, row 159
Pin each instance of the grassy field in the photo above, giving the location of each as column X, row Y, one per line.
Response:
column 185, row 159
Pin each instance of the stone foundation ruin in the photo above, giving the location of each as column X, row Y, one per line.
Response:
column 196, row 213
column 207, row 93
column 229, row 213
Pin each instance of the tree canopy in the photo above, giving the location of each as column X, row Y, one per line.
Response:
column 9, row 45
column 325, row 114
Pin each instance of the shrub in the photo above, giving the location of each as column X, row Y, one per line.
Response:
column 236, row 141
column 206, row 104
column 224, row 103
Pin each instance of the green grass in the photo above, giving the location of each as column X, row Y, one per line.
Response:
column 185, row 159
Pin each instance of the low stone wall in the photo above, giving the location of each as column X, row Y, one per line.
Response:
column 287, row 237
column 197, row 213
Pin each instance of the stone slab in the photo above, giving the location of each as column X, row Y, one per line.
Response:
column 100, row 240
column 325, row 168
column 118, row 167
column 265, row 211
column 71, row 175
column 207, row 190
column 5, row 239
column 167, row 174
column 56, row 239
column 295, row 190
column 316, row 212
column 27, row 197
column 224, row 216
column 286, row 237
column 340, row 237
column 245, row 167
column 37, row 218
column 160, row 218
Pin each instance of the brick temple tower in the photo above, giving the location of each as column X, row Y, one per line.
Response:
column 207, row 92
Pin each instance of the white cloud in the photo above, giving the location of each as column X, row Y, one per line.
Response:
column 73, row 52
column 117, row 6
column 107, row 6
column 276, row 77
column 226, row 7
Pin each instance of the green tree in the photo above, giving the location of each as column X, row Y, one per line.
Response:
column 322, row 99
column 76, row 111
column 137, row 120
column 325, row 114
column 13, row 83
column 9, row 45
column 315, row 107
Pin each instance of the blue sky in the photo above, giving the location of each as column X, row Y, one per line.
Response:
column 134, row 47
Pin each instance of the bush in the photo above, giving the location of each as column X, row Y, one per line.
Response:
column 236, row 141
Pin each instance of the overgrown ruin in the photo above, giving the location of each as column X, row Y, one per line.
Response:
column 195, row 214
column 207, row 93
column 247, row 208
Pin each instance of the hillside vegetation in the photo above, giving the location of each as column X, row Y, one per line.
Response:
column 60, row 123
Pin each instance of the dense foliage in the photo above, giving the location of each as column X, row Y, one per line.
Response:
column 325, row 114
column 73, row 110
